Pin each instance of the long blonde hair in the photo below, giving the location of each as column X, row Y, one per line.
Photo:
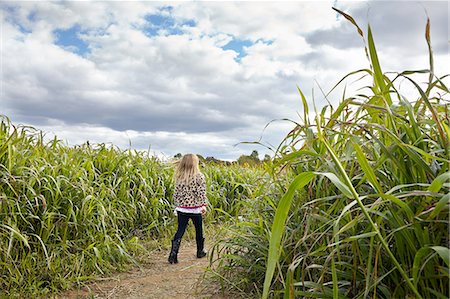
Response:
column 187, row 169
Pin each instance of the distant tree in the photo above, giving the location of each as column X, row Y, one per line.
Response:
column 212, row 160
column 178, row 156
column 251, row 160
column 255, row 155
column 245, row 160
column 266, row 158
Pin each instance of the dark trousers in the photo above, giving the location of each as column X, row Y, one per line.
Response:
column 183, row 219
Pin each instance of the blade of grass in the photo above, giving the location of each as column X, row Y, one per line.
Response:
column 278, row 227
column 366, row 214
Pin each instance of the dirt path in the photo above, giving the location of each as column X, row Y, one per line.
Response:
column 156, row 279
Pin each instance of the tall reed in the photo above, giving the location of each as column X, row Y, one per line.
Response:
column 366, row 212
column 68, row 214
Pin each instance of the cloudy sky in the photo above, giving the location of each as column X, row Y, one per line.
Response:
column 194, row 76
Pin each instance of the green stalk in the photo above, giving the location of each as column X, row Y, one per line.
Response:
column 10, row 157
column 366, row 214
column 279, row 225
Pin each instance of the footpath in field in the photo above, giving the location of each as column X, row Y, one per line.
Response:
column 155, row 279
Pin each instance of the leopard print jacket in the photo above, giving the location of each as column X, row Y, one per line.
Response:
column 192, row 194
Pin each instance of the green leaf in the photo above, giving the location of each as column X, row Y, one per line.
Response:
column 305, row 107
column 368, row 170
column 335, row 279
column 360, row 236
column 16, row 233
column 443, row 252
column 278, row 227
column 442, row 203
column 439, row 181
column 338, row 183
column 378, row 74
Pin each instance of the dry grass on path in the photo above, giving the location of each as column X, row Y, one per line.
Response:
column 155, row 279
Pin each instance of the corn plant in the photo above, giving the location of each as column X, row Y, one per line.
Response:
column 68, row 214
column 365, row 211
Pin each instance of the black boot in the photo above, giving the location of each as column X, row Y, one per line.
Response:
column 173, row 256
column 200, row 252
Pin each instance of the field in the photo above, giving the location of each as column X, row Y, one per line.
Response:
column 354, row 204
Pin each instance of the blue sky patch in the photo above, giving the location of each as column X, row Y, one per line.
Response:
column 160, row 20
column 160, row 23
column 237, row 45
column 69, row 39
column 189, row 23
column 265, row 41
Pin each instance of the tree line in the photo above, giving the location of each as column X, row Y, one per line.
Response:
column 245, row 160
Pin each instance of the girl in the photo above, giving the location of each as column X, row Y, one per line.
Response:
column 190, row 203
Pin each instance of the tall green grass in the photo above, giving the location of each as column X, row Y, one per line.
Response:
column 68, row 214
column 356, row 205
column 365, row 213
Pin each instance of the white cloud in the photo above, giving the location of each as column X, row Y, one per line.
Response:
column 182, row 92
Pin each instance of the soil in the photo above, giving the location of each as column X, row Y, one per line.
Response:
column 155, row 279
